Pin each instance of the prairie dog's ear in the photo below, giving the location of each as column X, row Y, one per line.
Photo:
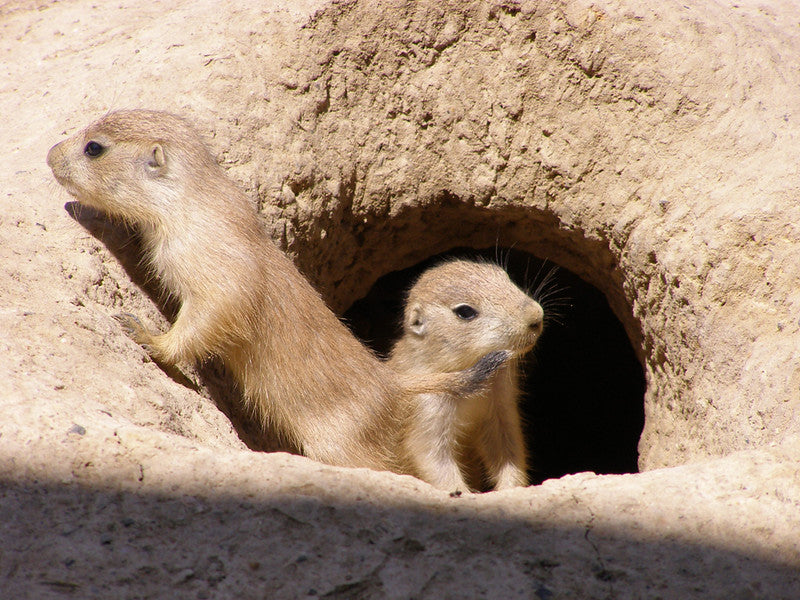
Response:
column 415, row 320
column 157, row 163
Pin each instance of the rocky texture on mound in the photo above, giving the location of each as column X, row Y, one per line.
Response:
column 648, row 148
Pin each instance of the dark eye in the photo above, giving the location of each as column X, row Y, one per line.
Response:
column 465, row 311
column 93, row 149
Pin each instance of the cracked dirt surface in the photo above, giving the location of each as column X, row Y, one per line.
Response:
column 649, row 148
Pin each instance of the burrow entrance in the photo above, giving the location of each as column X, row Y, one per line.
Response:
column 583, row 394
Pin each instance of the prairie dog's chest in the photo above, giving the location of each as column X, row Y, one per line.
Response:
column 501, row 391
column 174, row 262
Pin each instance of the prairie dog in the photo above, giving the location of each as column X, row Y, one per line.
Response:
column 299, row 368
column 455, row 313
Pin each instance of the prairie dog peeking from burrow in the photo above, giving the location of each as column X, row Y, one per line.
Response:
column 456, row 313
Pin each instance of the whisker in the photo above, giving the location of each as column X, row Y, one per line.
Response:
column 552, row 295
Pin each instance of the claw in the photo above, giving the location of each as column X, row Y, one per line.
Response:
column 130, row 323
column 134, row 329
column 488, row 365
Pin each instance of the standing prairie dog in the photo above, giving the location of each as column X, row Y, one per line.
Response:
column 300, row 369
column 456, row 313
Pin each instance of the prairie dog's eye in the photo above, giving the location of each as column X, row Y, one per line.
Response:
column 465, row 311
column 93, row 149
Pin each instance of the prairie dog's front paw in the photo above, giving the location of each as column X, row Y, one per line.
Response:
column 487, row 365
column 134, row 328
column 511, row 477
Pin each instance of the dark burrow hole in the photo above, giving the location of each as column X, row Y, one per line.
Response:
column 583, row 394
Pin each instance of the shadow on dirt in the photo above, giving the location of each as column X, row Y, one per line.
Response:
column 70, row 541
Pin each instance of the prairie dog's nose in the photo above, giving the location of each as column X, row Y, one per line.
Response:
column 51, row 155
column 535, row 317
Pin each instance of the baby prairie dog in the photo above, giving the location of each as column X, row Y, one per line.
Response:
column 299, row 368
column 456, row 313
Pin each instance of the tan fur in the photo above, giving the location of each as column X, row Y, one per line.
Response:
column 444, row 429
column 300, row 369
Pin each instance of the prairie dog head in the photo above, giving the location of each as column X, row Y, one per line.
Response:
column 461, row 310
column 134, row 164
